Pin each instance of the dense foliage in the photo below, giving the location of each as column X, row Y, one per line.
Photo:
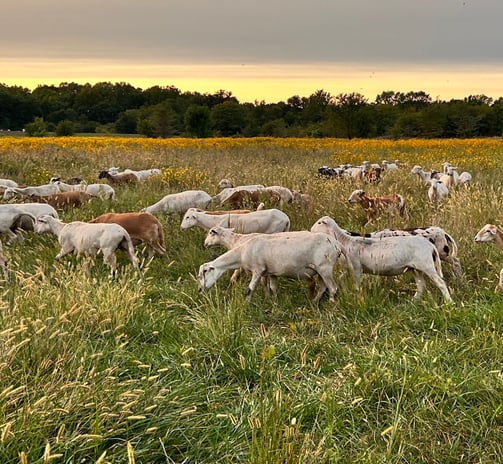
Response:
column 151, row 371
column 168, row 112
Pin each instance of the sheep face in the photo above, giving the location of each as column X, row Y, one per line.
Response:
column 356, row 196
column 486, row 234
column 207, row 276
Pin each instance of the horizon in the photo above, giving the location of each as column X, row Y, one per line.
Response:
column 271, row 83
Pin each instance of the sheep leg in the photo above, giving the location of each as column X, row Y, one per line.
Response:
column 63, row 252
column 13, row 236
column 420, row 284
column 499, row 287
column 439, row 282
column 271, row 285
column 253, row 284
column 327, row 283
column 111, row 260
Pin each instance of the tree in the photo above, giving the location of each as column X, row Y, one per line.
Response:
column 349, row 108
column 197, row 120
column 37, row 128
column 228, row 118
column 65, row 128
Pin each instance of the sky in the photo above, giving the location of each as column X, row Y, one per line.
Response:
column 260, row 50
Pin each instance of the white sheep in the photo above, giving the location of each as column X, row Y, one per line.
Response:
column 445, row 244
column 41, row 190
column 8, row 183
column 425, row 176
column 179, row 202
column 388, row 256
column 10, row 217
column 266, row 221
column 438, row 191
column 492, row 234
column 301, row 255
column 89, row 239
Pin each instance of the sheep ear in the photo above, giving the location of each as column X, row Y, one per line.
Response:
column 492, row 229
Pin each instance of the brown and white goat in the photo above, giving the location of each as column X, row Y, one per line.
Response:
column 142, row 228
column 374, row 206
column 242, row 198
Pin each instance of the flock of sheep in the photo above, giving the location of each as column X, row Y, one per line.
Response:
column 259, row 241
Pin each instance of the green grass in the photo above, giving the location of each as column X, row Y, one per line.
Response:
column 151, row 371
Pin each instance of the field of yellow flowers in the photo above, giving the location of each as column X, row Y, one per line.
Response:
column 149, row 370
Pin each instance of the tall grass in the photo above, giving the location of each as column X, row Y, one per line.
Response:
column 150, row 370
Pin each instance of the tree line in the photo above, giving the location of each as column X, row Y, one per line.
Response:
column 165, row 111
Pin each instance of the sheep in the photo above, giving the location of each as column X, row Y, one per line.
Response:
column 301, row 255
column 465, row 178
column 60, row 200
column 67, row 187
column 228, row 191
column 286, row 195
column 243, row 198
column 142, row 228
column 425, row 176
column 304, row 200
column 42, row 190
column 37, row 210
column 388, row 256
column 438, row 191
column 70, row 181
column 10, row 216
column 266, row 221
column 387, row 166
column 490, row 233
column 8, row 183
column 102, row 191
column 225, row 183
column 89, row 239
column 372, row 175
column 143, row 174
column 374, row 206
column 445, row 244
column 179, row 202
column 123, row 178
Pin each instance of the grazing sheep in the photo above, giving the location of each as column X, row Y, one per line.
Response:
column 141, row 227
column 389, row 256
column 243, row 198
column 8, row 183
column 123, row 178
column 266, row 221
column 490, row 233
column 179, row 202
column 445, row 244
column 89, row 239
column 438, row 191
column 101, row 191
column 46, row 189
column 225, row 183
column 228, row 191
column 300, row 255
column 374, row 206
column 60, row 200
column 10, row 216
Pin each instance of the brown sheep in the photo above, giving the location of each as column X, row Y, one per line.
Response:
column 243, row 198
column 374, row 206
column 124, row 178
column 142, row 228
column 74, row 199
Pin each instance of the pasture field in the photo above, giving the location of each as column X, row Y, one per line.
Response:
column 151, row 371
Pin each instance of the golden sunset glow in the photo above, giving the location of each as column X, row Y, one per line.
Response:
column 267, row 82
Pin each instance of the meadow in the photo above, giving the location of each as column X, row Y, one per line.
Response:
column 151, row 371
